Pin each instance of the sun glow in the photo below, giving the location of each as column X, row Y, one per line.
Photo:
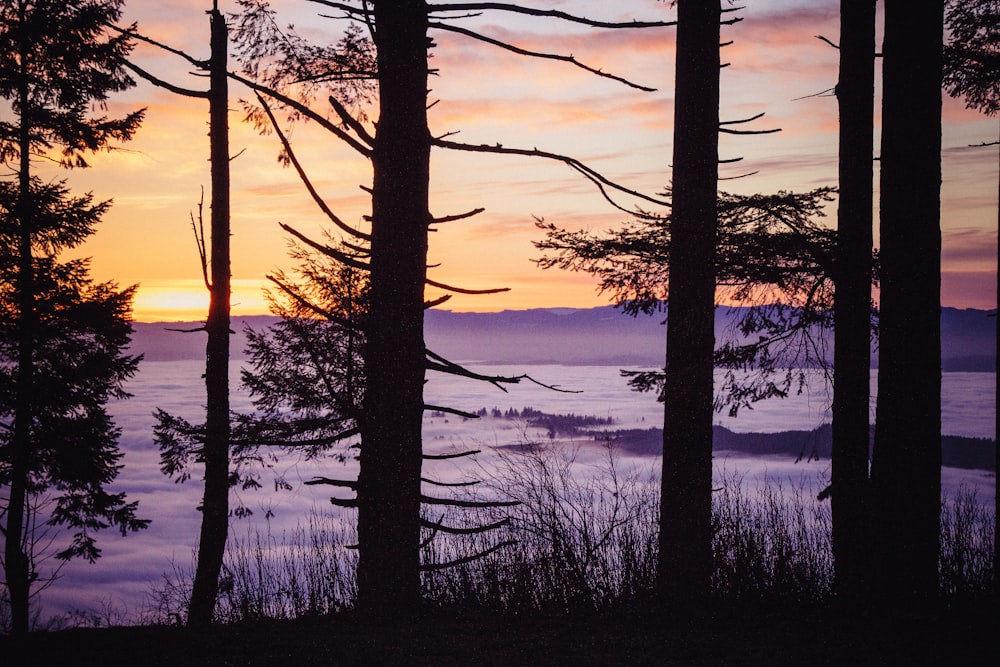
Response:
column 187, row 300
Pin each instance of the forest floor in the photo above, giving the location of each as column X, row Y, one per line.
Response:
column 750, row 636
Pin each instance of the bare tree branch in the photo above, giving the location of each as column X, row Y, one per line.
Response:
column 342, row 257
column 733, row 178
column 353, row 12
column 200, row 64
column 304, row 177
column 451, row 411
column 326, row 481
column 351, row 121
column 726, row 130
column 305, row 111
column 434, row 303
column 828, row 41
column 452, row 530
column 460, row 290
column 470, row 504
column 537, row 54
column 458, row 216
column 595, row 177
column 517, row 9
column 823, row 93
column 445, row 457
column 199, row 239
column 431, row 567
column 156, row 81
column 743, row 120
column 449, row 484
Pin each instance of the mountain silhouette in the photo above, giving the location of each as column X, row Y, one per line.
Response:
column 577, row 336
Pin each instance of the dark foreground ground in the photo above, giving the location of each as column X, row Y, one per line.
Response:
column 748, row 637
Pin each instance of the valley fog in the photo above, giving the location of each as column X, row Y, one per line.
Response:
column 123, row 578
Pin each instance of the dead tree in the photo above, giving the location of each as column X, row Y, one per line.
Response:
column 215, row 258
column 388, row 490
column 215, row 505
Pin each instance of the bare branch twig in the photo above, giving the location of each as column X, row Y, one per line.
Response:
column 538, row 54
column 341, row 257
column 327, row 211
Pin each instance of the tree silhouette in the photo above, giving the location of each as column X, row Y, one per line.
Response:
column 215, row 505
column 972, row 71
column 215, row 262
column 305, row 377
column 213, row 442
column 774, row 257
column 906, row 460
column 388, row 489
column 853, row 301
column 685, row 554
column 62, row 335
column 306, row 374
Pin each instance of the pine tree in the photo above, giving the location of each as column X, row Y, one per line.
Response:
column 63, row 336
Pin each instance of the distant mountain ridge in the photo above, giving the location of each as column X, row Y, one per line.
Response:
column 574, row 336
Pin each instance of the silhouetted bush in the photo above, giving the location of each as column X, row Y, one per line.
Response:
column 584, row 540
column 966, row 561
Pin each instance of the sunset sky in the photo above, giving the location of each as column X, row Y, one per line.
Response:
column 778, row 67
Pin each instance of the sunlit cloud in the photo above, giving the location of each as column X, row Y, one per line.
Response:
column 968, row 289
column 967, row 245
column 490, row 96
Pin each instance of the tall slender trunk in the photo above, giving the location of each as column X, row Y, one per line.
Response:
column 685, row 561
column 852, row 337
column 906, row 463
column 389, row 479
column 17, row 562
column 215, row 506
column 996, row 410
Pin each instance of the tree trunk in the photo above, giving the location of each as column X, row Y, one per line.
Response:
column 389, row 479
column 685, row 561
column 906, row 464
column 215, row 506
column 852, row 341
column 996, row 413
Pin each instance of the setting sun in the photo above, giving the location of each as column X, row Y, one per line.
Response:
column 187, row 300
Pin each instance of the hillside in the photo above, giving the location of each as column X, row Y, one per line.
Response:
column 592, row 336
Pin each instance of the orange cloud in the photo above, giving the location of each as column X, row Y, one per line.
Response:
column 493, row 96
